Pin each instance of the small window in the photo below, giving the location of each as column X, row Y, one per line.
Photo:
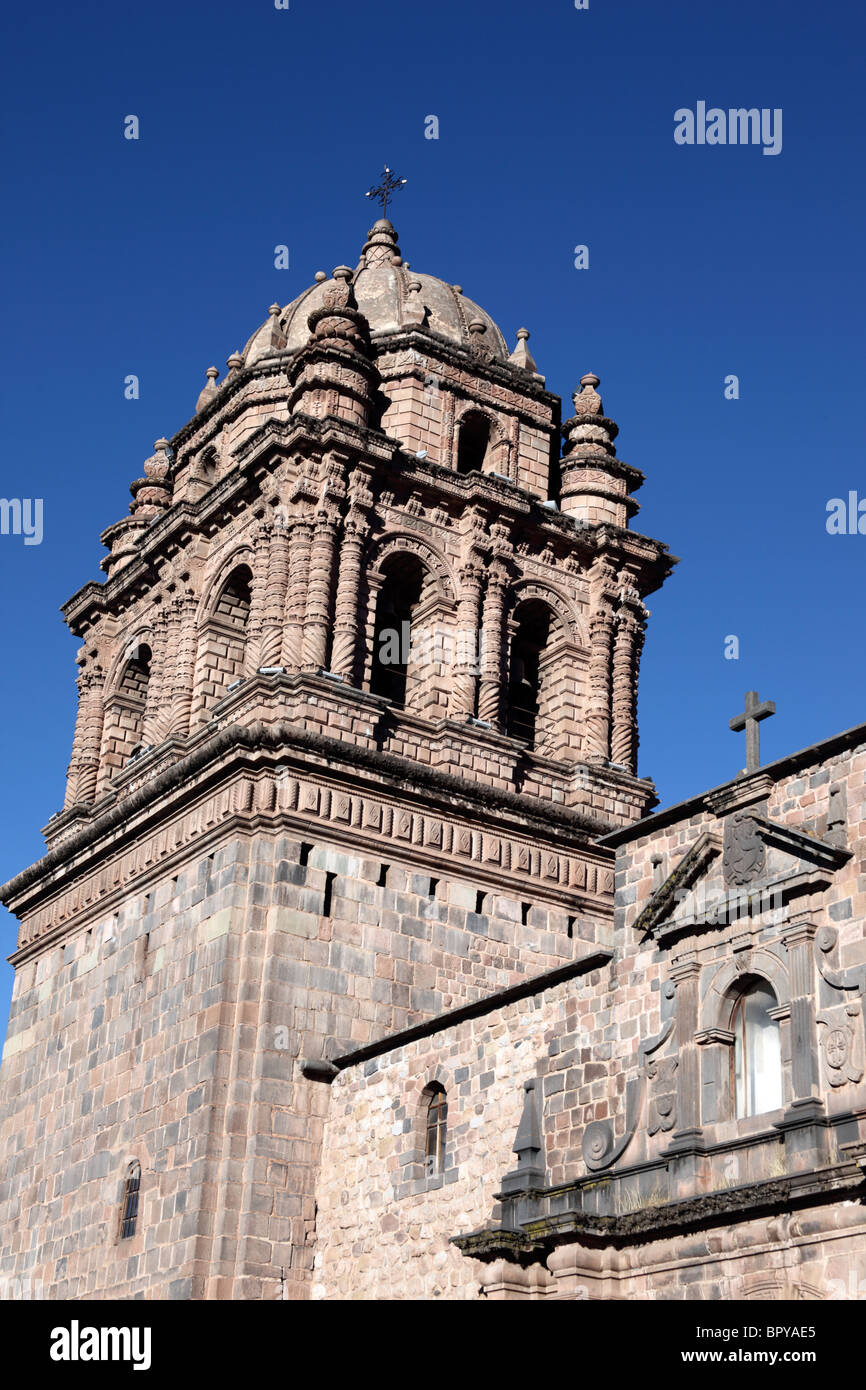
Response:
column 473, row 442
column 129, row 1209
column 437, row 1124
column 757, row 1060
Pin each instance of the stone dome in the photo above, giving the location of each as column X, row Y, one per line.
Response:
column 391, row 297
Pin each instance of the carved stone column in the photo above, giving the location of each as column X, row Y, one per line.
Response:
column 686, row 1148
column 628, row 645
column 271, row 645
column 799, row 936
column 347, row 606
column 603, row 595
column 87, row 741
column 466, row 663
column 806, row 1139
column 296, row 597
column 598, row 709
column 490, row 695
column 155, row 718
column 186, row 640
column 261, row 543
column 317, row 622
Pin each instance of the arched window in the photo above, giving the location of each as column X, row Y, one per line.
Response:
column 757, row 1054
column 223, row 641
column 473, row 442
column 123, row 725
column 393, row 631
column 524, row 674
column 129, row 1206
column 435, row 1130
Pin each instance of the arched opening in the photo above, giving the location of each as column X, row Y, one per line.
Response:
column 233, row 604
column 129, row 1202
column 528, row 643
column 392, row 638
column 207, row 466
column 473, row 442
column 123, row 726
column 435, row 1128
column 756, row 1061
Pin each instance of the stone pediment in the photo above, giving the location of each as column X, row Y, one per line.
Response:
column 756, row 866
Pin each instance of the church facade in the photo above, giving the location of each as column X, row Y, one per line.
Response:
column 359, row 963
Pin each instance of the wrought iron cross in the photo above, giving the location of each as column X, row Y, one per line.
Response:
column 383, row 191
column 754, row 712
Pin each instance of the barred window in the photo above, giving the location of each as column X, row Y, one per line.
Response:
column 436, row 1129
column 129, row 1208
column 757, row 1059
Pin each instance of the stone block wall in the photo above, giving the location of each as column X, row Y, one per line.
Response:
column 172, row 1032
column 383, row 1231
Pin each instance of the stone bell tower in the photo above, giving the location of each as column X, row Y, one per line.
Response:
column 357, row 699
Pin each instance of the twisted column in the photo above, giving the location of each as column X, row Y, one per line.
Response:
column 186, row 647
column 598, row 710
column 466, row 663
column 296, row 596
column 493, row 654
column 317, row 621
column 626, row 663
column 87, row 740
column 155, row 716
column 271, row 646
column 347, row 605
column 261, row 542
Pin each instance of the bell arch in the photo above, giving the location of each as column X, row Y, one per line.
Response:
column 125, row 708
column 409, row 603
column 543, row 671
column 223, row 636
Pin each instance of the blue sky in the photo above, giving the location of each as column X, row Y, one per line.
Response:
column 261, row 127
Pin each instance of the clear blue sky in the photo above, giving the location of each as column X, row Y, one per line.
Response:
column 261, row 127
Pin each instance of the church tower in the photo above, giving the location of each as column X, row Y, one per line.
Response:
column 357, row 701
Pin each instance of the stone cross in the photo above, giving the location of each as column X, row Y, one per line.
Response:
column 383, row 192
column 749, row 720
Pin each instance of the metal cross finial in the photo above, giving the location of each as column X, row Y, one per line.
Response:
column 390, row 182
column 749, row 720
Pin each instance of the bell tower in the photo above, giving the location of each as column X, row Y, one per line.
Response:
column 357, row 699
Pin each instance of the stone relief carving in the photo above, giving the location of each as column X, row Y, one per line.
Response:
column 744, row 852
column 661, row 1094
column 842, row 1043
column 655, row 1080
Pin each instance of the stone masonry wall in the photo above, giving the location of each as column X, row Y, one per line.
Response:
column 383, row 1233
column 171, row 1032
